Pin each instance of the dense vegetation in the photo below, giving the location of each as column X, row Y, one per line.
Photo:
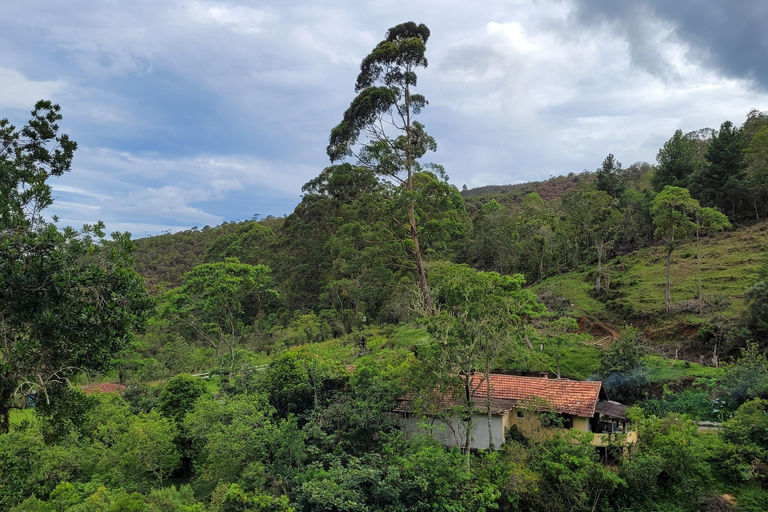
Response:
column 652, row 278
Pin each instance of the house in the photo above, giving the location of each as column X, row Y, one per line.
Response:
column 538, row 407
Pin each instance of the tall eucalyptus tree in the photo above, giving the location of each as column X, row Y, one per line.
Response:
column 378, row 128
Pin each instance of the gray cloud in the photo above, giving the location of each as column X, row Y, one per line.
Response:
column 730, row 36
column 191, row 112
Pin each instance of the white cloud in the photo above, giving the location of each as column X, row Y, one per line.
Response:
column 119, row 186
column 19, row 92
column 184, row 109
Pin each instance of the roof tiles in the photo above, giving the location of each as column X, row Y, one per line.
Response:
column 562, row 395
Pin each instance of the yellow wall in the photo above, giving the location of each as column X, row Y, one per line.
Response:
column 530, row 426
column 581, row 424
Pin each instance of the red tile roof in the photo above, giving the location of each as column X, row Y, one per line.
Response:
column 104, row 387
column 562, row 395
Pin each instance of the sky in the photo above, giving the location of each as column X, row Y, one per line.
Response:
column 191, row 113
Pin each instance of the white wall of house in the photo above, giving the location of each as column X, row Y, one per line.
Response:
column 452, row 433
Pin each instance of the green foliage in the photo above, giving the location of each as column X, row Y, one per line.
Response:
column 624, row 355
column 622, row 367
column 62, row 411
column 747, row 378
column 179, row 396
column 756, row 299
column 746, row 454
column 609, row 177
column 219, row 303
column 28, row 157
column 233, row 498
column 571, row 477
column 670, row 465
column 756, row 158
column 235, row 436
column 721, row 184
column 146, row 451
column 385, row 98
column 673, row 210
column 250, row 244
column 70, row 300
column 356, row 419
column 678, row 159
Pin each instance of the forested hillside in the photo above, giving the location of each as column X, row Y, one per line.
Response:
column 261, row 363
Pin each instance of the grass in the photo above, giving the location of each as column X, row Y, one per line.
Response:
column 672, row 370
column 406, row 336
column 729, row 262
column 19, row 415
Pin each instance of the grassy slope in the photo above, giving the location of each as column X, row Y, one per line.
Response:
column 728, row 265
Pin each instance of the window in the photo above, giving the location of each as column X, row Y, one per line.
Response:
column 556, row 420
column 520, row 414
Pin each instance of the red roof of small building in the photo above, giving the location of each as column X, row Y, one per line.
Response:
column 104, row 387
column 561, row 395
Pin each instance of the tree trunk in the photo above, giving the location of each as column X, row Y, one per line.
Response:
column 669, row 290
column 698, row 265
column 5, row 412
column 423, row 287
column 468, row 429
column 599, row 265
column 5, row 421
column 488, row 396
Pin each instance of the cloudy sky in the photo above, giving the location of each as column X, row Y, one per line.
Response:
column 191, row 113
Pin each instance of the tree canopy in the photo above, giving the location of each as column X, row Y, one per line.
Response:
column 69, row 300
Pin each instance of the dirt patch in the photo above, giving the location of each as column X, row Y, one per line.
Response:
column 597, row 330
column 681, row 331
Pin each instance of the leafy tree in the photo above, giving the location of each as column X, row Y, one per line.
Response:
column 69, row 299
column 756, row 158
column 609, row 177
column 721, row 184
column 755, row 122
column 635, row 228
column 678, row 160
column 673, row 210
column 677, row 216
column 176, row 400
column 146, row 450
column 220, row 301
column 571, row 477
column 480, row 314
column 233, row 498
column 179, row 396
column 757, row 306
column 385, row 99
column 249, row 244
column 747, row 378
column 622, row 367
column 535, row 226
column 28, row 157
column 596, row 217
column 746, row 455
column 235, row 436
column 669, row 470
column 357, row 417
column 494, row 245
